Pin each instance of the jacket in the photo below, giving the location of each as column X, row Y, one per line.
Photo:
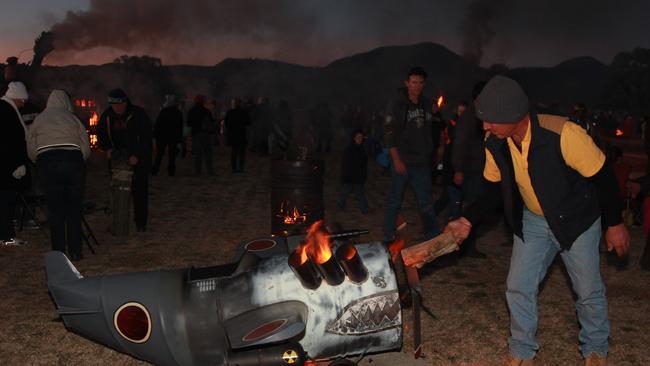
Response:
column 57, row 128
column 468, row 148
column 135, row 139
column 409, row 128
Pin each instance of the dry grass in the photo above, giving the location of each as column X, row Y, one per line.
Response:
column 199, row 221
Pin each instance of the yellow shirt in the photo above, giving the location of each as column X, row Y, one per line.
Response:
column 578, row 150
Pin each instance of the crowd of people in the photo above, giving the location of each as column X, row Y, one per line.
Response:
column 555, row 184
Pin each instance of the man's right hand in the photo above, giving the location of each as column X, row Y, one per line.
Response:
column 400, row 168
column 460, row 228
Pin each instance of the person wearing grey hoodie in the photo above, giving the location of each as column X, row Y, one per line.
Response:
column 58, row 143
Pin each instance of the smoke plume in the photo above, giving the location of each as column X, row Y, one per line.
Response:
column 201, row 31
column 477, row 27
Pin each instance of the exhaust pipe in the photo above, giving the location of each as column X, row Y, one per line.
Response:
column 351, row 263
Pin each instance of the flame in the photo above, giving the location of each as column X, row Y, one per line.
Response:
column 302, row 252
column 291, row 217
column 619, row 132
column 319, row 247
column 85, row 103
column 441, row 101
column 93, row 140
column 395, row 248
column 94, row 118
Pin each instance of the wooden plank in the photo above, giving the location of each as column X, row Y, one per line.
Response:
column 425, row 252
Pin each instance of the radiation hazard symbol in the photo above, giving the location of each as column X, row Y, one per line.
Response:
column 290, row 356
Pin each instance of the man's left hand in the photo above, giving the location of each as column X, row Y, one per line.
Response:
column 618, row 238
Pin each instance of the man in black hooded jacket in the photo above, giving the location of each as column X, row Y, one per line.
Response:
column 124, row 132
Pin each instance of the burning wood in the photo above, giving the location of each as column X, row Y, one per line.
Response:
column 289, row 216
column 425, row 252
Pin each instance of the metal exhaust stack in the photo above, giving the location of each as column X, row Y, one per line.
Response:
column 304, row 269
column 351, row 263
column 331, row 271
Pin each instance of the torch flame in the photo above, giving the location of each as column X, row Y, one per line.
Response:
column 319, row 247
column 441, row 100
column 619, row 132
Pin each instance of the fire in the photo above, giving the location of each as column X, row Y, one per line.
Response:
column 302, row 252
column 94, row 118
column 291, row 216
column 85, row 103
column 318, row 246
column 93, row 140
column 619, row 132
column 441, row 101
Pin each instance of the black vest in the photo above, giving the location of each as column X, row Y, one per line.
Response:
column 567, row 198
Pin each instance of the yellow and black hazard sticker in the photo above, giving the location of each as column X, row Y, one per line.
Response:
column 290, row 356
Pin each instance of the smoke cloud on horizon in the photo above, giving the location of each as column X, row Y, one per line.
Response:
column 313, row 32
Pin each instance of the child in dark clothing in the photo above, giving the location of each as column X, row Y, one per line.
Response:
column 354, row 167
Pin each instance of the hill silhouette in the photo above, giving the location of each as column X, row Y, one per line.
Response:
column 369, row 78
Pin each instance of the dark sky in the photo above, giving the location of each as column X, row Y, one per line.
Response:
column 316, row 32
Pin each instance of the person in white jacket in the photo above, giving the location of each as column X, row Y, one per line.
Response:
column 58, row 143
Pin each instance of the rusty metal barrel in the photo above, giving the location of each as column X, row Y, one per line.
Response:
column 296, row 195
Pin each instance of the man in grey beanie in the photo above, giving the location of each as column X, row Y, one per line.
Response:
column 556, row 188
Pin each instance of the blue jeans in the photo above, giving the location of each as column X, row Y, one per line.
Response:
column 419, row 178
column 528, row 265
column 346, row 189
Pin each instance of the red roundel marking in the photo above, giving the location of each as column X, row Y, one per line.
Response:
column 260, row 245
column 264, row 330
column 133, row 322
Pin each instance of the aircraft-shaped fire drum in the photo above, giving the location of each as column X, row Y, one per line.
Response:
column 280, row 302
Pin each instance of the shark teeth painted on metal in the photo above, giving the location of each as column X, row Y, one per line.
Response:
column 368, row 314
